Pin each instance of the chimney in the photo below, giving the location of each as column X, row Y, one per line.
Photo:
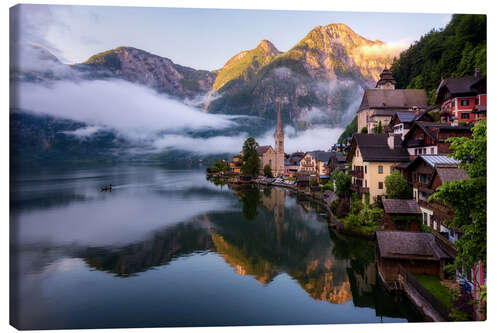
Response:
column 476, row 72
column 390, row 141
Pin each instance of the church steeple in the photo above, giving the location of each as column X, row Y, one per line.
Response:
column 278, row 135
column 279, row 126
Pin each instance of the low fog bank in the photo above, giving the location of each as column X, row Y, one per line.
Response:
column 156, row 122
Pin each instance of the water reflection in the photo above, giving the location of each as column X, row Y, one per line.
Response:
column 262, row 234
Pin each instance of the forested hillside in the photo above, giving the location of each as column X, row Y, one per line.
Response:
column 454, row 51
column 450, row 52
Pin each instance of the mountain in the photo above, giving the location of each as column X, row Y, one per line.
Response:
column 318, row 82
column 243, row 66
column 327, row 71
column 142, row 67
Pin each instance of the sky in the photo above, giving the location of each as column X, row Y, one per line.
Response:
column 199, row 38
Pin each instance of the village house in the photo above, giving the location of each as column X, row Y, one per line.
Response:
column 337, row 161
column 235, row 164
column 404, row 215
column 292, row 164
column 429, row 138
column 417, row 252
column 425, row 174
column 381, row 103
column 275, row 158
column 462, row 99
column 373, row 157
column 316, row 164
column 402, row 121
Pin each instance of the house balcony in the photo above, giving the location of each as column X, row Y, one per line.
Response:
column 357, row 174
column 359, row 188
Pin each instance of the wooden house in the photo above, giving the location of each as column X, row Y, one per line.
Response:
column 460, row 96
column 429, row 138
column 425, row 174
column 417, row 252
column 404, row 215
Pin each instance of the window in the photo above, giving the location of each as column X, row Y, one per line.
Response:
column 392, row 169
column 425, row 151
column 380, row 169
column 477, row 100
column 425, row 218
column 380, row 185
column 366, row 169
column 366, row 183
column 432, row 150
column 464, row 115
column 464, row 102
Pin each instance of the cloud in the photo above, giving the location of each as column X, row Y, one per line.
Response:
column 319, row 138
column 135, row 111
column 84, row 132
column 390, row 49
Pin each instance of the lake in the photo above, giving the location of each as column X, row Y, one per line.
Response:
column 169, row 248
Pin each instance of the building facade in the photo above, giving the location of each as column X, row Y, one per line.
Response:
column 380, row 104
column 373, row 157
column 462, row 99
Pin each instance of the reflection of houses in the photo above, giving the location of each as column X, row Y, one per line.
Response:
column 417, row 252
column 401, row 215
column 381, row 103
column 425, row 174
column 430, row 138
column 373, row 157
column 462, row 99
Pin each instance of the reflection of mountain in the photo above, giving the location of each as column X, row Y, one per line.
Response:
column 179, row 240
column 278, row 240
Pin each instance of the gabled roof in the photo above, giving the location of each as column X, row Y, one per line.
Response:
column 262, row 149
column 323, row 156
column 432, row 129
column 409, row 245
column 458, row 86
column 432, row 161
column 447, row 174
column 396, row 206
column 393, row 99
column 374, row 148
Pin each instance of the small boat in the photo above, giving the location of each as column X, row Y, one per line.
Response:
column 106, row 188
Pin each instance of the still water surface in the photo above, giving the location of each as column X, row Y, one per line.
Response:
column 168, row 248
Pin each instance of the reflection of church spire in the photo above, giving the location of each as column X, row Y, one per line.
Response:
column 279, row 215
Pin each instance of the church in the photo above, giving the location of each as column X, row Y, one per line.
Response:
column 275, row 158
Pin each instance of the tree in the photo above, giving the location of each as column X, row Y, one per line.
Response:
column 250, row 158
column 379, row 129
column 349, row 130
column 397, row 187
column 267, row 171
column 364, row 130
column 467, row 197
column 342, row 183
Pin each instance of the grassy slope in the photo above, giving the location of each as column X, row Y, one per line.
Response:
column 433, row 284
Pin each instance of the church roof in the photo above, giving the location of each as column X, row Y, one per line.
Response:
column 262, row 149
column 400, row 99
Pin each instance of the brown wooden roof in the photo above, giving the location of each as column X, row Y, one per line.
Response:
column 409, row 245
column 393, row 99
column 396, row 206
column 374, row 148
